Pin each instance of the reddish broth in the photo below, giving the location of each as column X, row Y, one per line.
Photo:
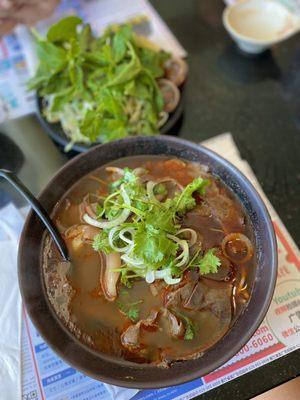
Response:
column 211, row 303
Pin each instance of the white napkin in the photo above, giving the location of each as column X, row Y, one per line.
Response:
column 120, row 393
column 11, row 222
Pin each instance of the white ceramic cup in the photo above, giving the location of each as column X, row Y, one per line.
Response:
column 255, row 25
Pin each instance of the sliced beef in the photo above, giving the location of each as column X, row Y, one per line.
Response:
column 199, row 296
column 219, row 302
column 88, row 206
column 173, row 324
column 79, row 234
column 130, row 338
column 169, row 322
column 226, row 271
column 224, row 209
column 179, row 296
column 196, row 298
column 157, row 287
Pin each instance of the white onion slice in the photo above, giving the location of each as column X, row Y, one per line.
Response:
column 106, row 224
column 123, row 249
column 150, row 277
column 124, row 238
column 168, row 179
column 172, row 281
column 132, row 261
column 193, row 238
column 166, row 275
column 162, row 118
column 150, row 193
column 184, row 256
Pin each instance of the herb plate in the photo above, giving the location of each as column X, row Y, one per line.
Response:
column 57, row 134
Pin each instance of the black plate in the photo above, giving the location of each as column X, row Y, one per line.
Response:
column 57, row 134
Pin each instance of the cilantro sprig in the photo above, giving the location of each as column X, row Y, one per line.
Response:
column 209, row 263
column 130, row 310
column 190, row 328
column 148, row 241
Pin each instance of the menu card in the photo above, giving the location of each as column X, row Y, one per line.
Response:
column 46, row 376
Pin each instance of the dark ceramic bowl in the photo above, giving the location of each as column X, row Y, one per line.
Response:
column 122, row 373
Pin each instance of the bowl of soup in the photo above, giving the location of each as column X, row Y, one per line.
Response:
column 172, row 262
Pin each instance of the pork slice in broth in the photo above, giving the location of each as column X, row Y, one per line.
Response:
column 109, row 275
column 131, row 337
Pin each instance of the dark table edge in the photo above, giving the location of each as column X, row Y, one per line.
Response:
column 254, row 383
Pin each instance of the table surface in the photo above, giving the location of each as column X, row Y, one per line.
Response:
column 256, row 99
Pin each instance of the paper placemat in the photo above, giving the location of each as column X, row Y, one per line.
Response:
column 45, row 376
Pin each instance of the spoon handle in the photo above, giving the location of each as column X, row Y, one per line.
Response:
column 38, row 208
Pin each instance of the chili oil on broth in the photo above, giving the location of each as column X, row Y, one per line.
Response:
column 75, row 292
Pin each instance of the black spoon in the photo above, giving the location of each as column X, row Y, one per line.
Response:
column 39, row 209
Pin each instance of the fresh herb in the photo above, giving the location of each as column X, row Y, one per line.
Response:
column 152, row 243
column 99, row 210
column 185, row 201
column 148, row 241
column 130, row 310
column 125, row 277
column 101, row 242
column 100, row 89
column 190, row 328
column 124, row 292
column 128, row 176
column 160, row 189
column 209, row 263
